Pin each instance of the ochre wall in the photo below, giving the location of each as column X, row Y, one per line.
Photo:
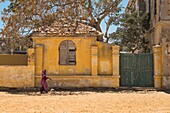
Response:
column 83, row 56
column 51, row 55
column 16, row 76
column 31, row 55
column 104, row 58
column 79, row 75
column 81, row 81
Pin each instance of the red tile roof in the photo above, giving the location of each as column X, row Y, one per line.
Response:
column 64, row 28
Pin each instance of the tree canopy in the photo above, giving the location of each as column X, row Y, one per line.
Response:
column 21, row 17
column 131, row 33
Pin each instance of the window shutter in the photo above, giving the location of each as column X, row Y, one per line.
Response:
column 67, row 53
column 71, row 45
column 72, row 53
column 63, row 53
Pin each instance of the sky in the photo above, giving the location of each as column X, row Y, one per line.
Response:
column 2, row 6
column 112, row 28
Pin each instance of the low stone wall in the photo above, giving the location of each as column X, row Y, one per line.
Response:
column 166, row 82
column 81, row 81
column 16, row 76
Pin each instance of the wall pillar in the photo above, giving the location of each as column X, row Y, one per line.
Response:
column 157, row 66
column 94, row 60
column 30, row 53
column 115, row 64
column 38, row 61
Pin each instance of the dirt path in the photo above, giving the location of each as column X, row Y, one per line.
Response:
column 85, row 102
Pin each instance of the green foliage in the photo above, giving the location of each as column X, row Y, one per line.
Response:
column 131, row 33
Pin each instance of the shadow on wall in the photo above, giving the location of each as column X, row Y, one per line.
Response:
column 15, row 59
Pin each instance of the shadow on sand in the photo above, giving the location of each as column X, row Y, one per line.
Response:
column 80, row 91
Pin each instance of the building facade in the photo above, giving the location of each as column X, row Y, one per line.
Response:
column 138, row 5
column 159, row 30
column 73, row 57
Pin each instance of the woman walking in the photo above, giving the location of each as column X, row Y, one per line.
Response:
column 44, row 85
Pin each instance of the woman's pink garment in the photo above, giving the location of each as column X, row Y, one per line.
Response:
column 44, row 82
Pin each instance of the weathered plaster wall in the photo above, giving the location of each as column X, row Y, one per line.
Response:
column 90, row 55
column 157, row 50
column 161, row 36
column 83, row 56
column 164, row 11
column 166, row 82
column 166, row 50
column 166, row 56
column 104, row 58
column 16, row 76
column 51, row 55
column 31, row 55
column 81, row 81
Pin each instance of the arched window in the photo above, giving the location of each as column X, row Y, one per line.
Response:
column 67, row 53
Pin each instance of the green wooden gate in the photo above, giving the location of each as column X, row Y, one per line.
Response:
column 136, row 70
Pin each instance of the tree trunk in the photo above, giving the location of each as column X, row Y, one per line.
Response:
column 107, row 39
column 99, row 38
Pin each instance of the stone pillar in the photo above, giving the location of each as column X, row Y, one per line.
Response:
column 38, row 61
column 157, row 66
column 94, row 60
column 31, row 56
column 157, row 33
column 115, row 64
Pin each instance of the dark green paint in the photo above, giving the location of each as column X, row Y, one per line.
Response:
column 136, row 70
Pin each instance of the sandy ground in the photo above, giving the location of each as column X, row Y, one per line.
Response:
column 124, row 101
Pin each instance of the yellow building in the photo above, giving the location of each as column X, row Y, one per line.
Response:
column 73, row 58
